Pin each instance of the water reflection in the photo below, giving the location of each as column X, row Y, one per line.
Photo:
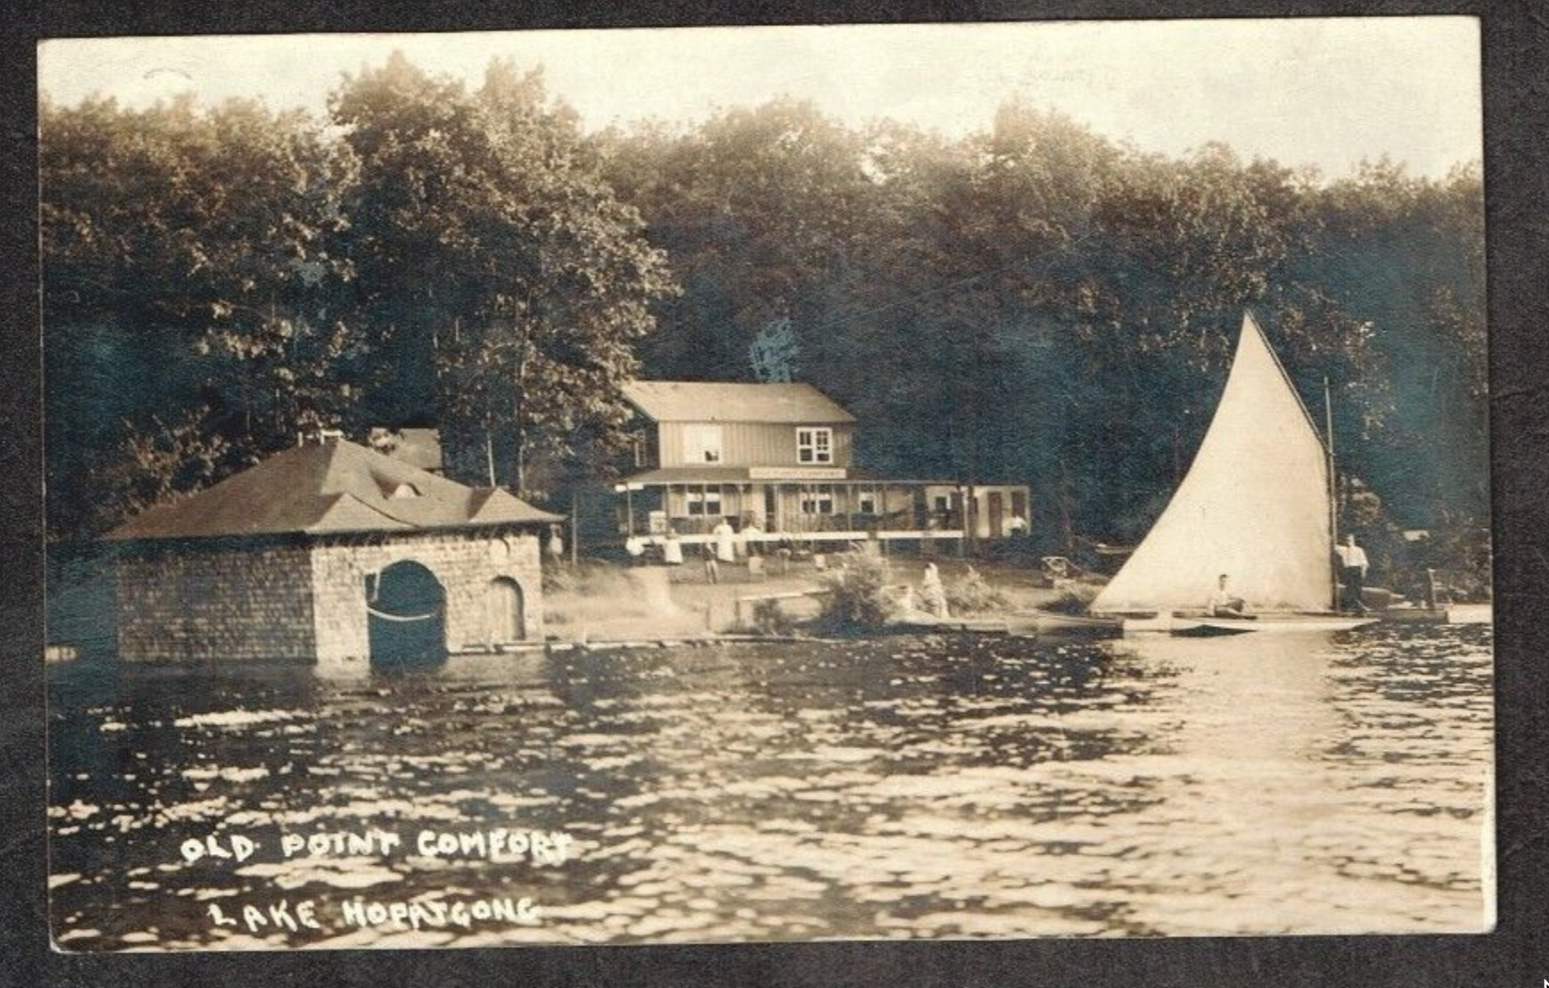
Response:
column 909, row 787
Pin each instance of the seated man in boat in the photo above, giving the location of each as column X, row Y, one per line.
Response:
column 1224, row 603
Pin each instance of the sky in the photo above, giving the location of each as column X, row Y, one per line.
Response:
column 1325, row 92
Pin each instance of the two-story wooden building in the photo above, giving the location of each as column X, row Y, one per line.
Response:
column 782, row 456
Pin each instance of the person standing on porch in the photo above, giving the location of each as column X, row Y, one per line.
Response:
column 725, row 542
column 1352, row 573
column 753, row 538
column 672, row 549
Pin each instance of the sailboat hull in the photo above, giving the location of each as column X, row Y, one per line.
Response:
column 1264, row 624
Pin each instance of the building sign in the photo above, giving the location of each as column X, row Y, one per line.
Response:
column 796, row 473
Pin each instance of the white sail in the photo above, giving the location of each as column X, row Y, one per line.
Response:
column 1254, row 505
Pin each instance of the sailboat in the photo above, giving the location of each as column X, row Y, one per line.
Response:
column 1256, row 505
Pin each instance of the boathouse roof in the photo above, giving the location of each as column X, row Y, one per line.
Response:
column 330, row 487
column 714, row 401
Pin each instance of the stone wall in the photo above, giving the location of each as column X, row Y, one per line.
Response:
column 191, row 602
column 465, row 564
column 307, row 603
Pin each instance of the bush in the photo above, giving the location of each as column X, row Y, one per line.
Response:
column 858, row 598
column 973, row 595
column 1074, row 599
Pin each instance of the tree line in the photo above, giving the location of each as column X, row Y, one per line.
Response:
column 1032, row 303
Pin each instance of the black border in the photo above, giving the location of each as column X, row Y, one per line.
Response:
column 1516, row 63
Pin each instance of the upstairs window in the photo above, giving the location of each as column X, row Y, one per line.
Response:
column 702, row 443
column 814, row 445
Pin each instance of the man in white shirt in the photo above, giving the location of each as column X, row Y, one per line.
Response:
column 1352, row 574
column 1224, row 603
column 753, row 538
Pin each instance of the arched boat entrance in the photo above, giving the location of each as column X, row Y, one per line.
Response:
column 406, row 617
column 506, row 612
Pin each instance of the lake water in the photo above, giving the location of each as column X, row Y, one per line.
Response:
column 909, row 787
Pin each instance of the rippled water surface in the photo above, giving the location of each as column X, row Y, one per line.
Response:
column 911, row 787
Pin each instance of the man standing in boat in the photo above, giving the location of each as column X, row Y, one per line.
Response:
column 1352, row 574
column 1224, row 603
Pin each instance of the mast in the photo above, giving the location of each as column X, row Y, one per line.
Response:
column 1333, row 500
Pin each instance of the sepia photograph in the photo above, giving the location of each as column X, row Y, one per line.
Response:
column 783, row 483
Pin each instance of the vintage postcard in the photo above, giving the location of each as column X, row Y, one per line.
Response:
column 770, row 483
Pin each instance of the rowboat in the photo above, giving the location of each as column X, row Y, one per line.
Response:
column 1056, row 624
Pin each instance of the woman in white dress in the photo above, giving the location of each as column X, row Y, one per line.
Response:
column 672, row 549
column 725, row 542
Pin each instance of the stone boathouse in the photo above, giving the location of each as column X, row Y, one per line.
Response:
column 334, row 553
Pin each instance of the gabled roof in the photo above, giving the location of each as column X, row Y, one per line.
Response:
column 703, row 401
column 326, row 488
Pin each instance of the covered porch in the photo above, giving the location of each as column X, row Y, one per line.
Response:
column 783, row 508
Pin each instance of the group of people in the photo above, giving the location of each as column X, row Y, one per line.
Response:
column 1353, row 567
column 726, row 545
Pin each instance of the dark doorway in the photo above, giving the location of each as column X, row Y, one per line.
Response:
column 997, row 511
column 406, row 617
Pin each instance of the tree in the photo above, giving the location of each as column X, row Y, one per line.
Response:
column 762, row 211
column 188, row 258
column 506, row 281
column 773, row 353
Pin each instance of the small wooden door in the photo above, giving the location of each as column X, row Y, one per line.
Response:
column 997, row 510
column 508, row 621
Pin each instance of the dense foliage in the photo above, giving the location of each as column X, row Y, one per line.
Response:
column 858, row 596
column 1031, row 303
column 972, row 594
column 1037, row 303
